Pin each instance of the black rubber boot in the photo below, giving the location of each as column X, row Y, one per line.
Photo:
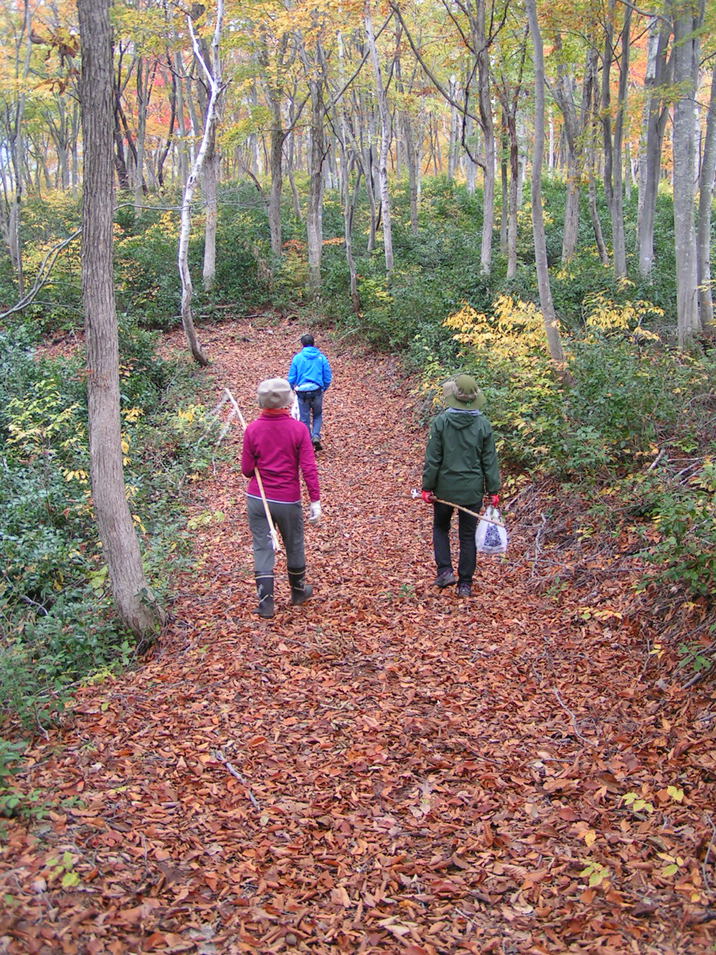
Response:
column 264, row 591
column 300, row 590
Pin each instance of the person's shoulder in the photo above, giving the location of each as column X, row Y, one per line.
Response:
column 438, row 421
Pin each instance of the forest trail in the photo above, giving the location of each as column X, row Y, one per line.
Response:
column 385, row 769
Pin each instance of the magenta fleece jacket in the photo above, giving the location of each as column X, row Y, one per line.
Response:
column 281, row 448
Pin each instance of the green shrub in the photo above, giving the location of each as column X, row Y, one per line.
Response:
column 55, row 602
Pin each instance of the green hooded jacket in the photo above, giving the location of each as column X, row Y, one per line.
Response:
column 460, row 459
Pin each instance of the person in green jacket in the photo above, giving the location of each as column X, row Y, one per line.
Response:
column 460, row 468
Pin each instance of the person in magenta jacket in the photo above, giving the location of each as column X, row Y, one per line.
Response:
column 280, row 448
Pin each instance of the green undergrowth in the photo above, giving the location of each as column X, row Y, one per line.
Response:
column 58, row 624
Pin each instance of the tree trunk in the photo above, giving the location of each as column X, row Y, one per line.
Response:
column 272, row 83
column 685, row 71
column 504, row 182
column 135, row 602
column 576, row 121
column 551, row 323
column 295, row 198
column 472, row 167
column 142, row 104
column 592, row 106
column 120, row 160
column 706, row 191
column 349, row 207
column 385, row 136
column 488, row 135
column 16, row 149
column 182, row 151
column 212, row 75
column 655, row 116
column 314, row 214
column 274, row 205
column 513, row 202
column 618, row 235
column 614, row 135
column 211, row 177
column 369, row 166
column 162, row 158
column 413, row 163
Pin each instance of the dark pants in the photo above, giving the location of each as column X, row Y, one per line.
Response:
column 288, row 519
column 310, row 404
column 467, row 525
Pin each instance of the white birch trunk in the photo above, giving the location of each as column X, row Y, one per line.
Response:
column 213, row 79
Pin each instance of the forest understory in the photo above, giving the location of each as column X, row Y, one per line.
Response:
column 385, row 769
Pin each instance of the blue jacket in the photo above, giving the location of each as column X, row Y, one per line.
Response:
column 310, row 370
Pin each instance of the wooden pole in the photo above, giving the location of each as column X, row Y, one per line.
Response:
column 480, row 517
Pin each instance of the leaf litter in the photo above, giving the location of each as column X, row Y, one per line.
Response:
column 384, row 769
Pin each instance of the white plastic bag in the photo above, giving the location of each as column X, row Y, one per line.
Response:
column 491, row 538
column 295, row 413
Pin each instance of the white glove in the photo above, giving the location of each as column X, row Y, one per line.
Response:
column 315, row 512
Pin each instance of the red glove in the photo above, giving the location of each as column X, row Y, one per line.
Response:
column 493, row 500
column 428, row 497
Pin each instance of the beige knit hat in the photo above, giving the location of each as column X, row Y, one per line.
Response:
column 274, row 393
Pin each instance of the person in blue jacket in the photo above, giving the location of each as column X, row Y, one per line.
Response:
column 310, row 377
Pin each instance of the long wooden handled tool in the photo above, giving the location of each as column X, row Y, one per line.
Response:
column 481, row 517
column 272, row 528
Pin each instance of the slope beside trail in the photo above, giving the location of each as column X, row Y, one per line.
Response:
column 385, row 769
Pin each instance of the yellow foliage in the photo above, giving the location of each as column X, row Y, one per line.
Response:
column 515, row 332
column 608, row 316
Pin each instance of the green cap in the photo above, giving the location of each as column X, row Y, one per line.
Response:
column 462, row 392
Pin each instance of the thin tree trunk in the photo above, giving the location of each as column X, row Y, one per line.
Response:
column 136, row 605
column 385, row 135
column 613, row 136
column 551, row 322
column 17, row 151
column 618, row 234
column 142, row 104
column 575, row 123
column 314, row 214
column 369, row 166
column 656, row 114
column 504, row 182
column 488, row 135
column 213, row 78
column 471, row 139
column 212, row 164
column 706, row 191
column 295, row 198
column 182, row 152
column 276, row 171
column 513, row 202
column 685, row 71
column 162, row 158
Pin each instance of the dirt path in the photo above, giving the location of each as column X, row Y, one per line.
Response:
column 402, row 772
